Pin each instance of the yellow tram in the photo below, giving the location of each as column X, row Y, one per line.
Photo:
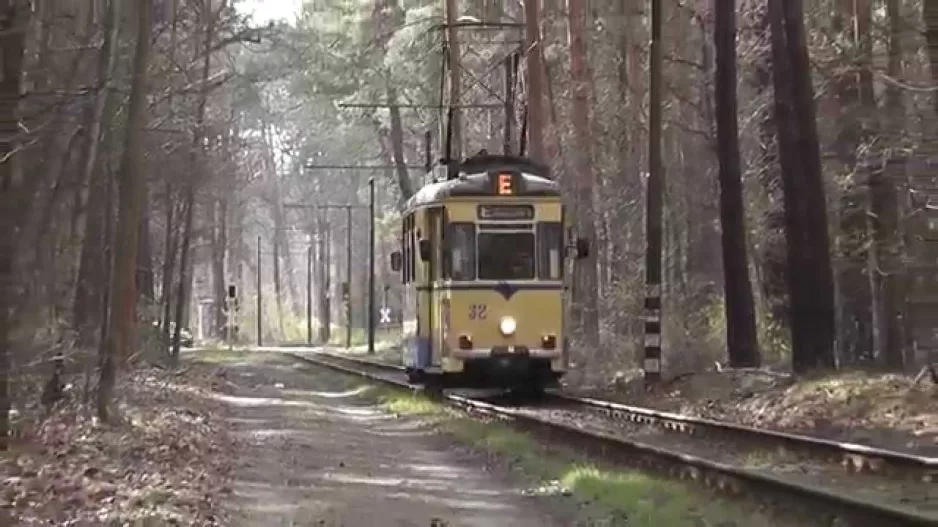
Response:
column 482, row 262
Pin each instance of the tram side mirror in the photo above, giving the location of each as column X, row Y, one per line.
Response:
column 396, row 261
column 425, row 250
column 582, row 248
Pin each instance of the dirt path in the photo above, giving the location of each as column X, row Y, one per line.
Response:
column 315, row 449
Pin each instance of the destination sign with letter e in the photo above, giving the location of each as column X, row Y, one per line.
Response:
column 506, row 183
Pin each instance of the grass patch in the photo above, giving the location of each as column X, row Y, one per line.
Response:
column 223, row 356
column 386, row 350
column 630, row 497
column 410, row 405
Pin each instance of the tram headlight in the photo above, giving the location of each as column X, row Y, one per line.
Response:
column 507, row 326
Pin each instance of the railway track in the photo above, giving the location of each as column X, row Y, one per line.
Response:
column 859, row 485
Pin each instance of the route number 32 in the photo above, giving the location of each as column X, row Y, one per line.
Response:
column 477, row 311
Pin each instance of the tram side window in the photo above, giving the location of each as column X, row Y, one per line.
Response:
column 404, row 251
column 549, row 251
column 459, row 257
column 506, row 255
column 408, row 264
column 412, row 250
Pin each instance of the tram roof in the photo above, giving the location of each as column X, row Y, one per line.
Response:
column 473, row 180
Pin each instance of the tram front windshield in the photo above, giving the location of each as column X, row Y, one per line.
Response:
column 506, row 256
column 499, row 255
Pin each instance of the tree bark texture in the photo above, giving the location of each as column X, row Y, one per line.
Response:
column 586, row 289
column 14, row 14
column 131, row 194
column 810, row 276
column 741, row 337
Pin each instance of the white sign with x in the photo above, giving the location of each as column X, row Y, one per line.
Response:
column 385, row 315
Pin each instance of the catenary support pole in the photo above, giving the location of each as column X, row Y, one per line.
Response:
column 348, row 276
column 371, row 265
column 309, row 294
column 654, row 208
column 260, row 310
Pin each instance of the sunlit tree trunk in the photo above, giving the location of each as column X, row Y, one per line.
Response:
column 404, row 183
column 586, row 289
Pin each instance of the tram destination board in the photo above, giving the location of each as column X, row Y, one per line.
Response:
column 506, row 212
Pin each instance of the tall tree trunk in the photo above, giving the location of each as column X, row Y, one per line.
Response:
column 771, row 249
column 14, row 14
column 131, row 192
column 397, row 148
column 169, row 265
column 587, row 281
column 219, row 280
column 89, row 284
column 325, row 278
column 886, row 271
column 809, row 265
column 145, row 259
column 930, row 17
column 534, row 77
column 853, row 286
column 741, row 338
column 278, row 289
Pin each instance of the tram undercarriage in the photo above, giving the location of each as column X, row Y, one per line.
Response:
column 505, row 372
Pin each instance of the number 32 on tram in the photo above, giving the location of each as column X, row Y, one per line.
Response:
column 482, row 261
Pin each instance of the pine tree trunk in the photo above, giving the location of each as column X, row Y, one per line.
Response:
column 809, row 266
column 741, row 337
column 586, row 289
column 89, row 285
column 131, row 195
column 13, row 14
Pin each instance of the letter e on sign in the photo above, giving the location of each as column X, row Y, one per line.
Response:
column 504, row 185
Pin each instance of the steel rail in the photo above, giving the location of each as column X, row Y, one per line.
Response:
column 858, row 512
column 853, row 456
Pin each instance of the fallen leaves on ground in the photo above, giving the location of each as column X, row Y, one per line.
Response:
column 164, row 463
column 871, row 408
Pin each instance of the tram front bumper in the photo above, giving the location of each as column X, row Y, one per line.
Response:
column 500, row 352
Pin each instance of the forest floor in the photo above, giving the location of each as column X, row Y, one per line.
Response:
column 164, row 460
column 862, row 407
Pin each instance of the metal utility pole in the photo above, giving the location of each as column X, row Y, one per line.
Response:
column 348, row 276
column 654, row 209
column 371, row 265
column 511, row 65
column 533, row 79
column 325, row 272
column 260, row 311
column 455, row 80
column 309, row 294
column 231, row 306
